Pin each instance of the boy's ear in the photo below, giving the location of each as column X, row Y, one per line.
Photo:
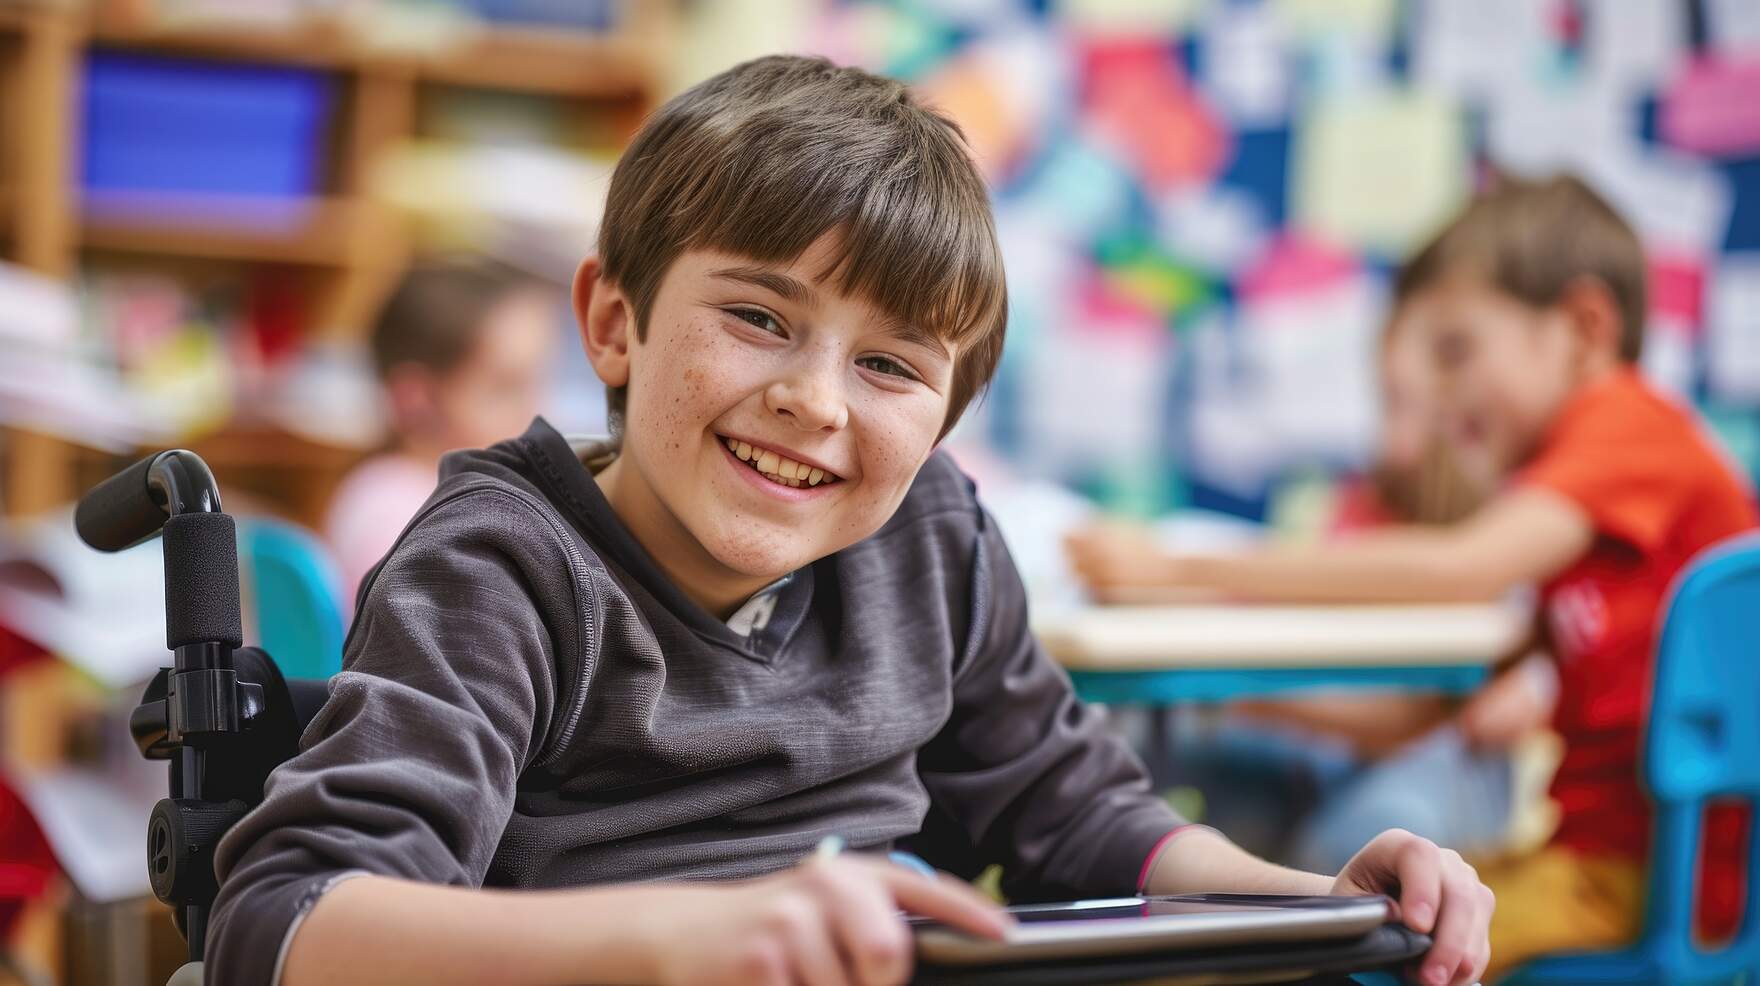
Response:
column 605, row 319
column 1594, row 316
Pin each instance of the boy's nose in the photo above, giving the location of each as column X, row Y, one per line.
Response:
column 810, row 402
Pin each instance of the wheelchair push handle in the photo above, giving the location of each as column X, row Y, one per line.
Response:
column 174, row 492
column 132, row 505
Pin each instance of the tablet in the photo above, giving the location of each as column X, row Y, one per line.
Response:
column 1133, row 925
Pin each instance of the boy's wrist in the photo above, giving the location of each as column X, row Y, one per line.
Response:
column 1203, row 860
column 623, row 934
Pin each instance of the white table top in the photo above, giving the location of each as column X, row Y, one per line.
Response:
column 1239, row 636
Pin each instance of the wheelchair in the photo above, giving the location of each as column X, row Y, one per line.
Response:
column 223, row 715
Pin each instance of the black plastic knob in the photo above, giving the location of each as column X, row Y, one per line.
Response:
column 181, row 835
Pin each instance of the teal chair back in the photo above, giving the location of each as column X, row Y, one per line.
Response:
column 296, row 593
column 1702, row 742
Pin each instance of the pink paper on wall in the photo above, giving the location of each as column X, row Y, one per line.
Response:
column 1711, row 108
column 1294, row 265
column 1098, row 307
column 1137, row 97
column 1677, row 288
column 1676, row 294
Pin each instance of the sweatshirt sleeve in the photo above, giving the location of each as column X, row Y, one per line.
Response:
column 409, row 770
column 1025, row 773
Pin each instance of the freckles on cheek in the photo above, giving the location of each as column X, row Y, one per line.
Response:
column 890, row 460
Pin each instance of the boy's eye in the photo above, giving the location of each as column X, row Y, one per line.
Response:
column 762, row 319
column 882, row 364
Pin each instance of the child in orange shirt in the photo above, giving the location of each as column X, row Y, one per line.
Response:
column 1532, row 303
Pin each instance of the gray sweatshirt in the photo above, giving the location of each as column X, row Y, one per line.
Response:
column 527, row 701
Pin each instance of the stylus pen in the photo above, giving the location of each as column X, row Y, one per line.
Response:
column 828, row 848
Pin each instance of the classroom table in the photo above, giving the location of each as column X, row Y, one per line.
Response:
column 1159, row 656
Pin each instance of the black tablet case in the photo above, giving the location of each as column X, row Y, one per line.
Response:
column 1387, row 947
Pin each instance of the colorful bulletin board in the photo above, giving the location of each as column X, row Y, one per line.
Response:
column 1201, row 203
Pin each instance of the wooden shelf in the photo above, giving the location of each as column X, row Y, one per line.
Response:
column 318, row 232
column 14, row 18
column 515, row 59
column 548, row 62
column 265, row 469
column 314, row 43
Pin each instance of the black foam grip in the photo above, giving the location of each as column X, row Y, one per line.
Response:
column 119, row 511
column 201, row 580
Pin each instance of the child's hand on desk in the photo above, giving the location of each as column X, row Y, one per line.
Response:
column 826, row 921
column 1123, row 563
column 1438, row 893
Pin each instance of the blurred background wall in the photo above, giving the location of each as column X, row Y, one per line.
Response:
column 1201, row 201
column 203, row 203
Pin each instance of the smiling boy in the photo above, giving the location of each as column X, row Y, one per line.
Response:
column 631, row 685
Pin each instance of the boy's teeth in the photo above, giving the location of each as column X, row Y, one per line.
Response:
column 782, row 470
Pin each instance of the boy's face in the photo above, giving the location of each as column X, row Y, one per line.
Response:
column 770, row 420
column 1503, row 368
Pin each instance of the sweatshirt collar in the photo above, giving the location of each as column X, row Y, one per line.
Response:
column 567, row 466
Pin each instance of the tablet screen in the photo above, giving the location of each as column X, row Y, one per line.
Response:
column 1102, row 910
column 1095, row 927
column 1144, row 907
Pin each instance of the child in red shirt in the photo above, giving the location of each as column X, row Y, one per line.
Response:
column 1532, row 305
column 1657, row 492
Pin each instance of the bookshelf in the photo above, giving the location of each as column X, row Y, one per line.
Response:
column 343, row 247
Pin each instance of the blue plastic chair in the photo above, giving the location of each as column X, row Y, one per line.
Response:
column 296, row 593
column 1703, row 742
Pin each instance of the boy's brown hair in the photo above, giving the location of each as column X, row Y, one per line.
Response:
column 1531, row 240
column 435, row 313
column 767, row 157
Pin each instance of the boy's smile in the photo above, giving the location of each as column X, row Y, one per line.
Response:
column 770, row 420
column 781, row 469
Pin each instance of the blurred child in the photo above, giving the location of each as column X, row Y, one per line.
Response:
column 464, row 349
column 1419, row 477
column 1302, row 778
column 1532, row 306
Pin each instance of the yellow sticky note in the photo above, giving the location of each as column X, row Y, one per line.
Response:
column 1366, row 18
column 1163, row 18
column 1379, row 172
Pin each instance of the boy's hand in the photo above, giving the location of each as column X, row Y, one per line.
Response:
column 1438, row 893
column 826, row 922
